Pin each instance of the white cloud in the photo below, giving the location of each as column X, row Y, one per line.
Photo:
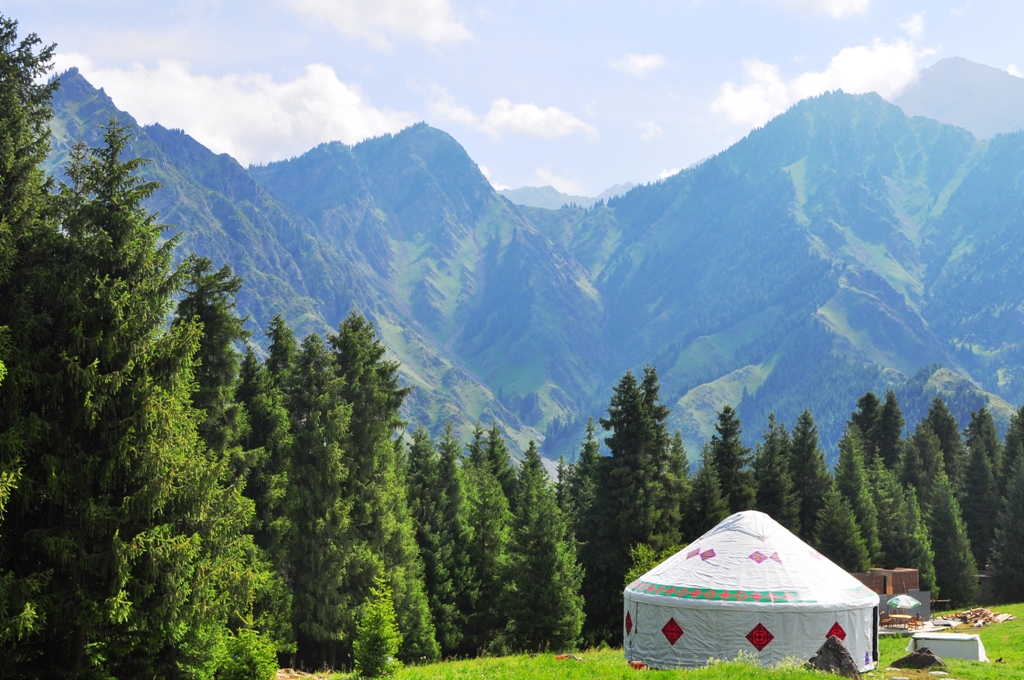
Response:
column 252, row 117
column 650, row 131
column 505, row 117
column 834, row 8
column 431, row 21
column 668, row 172
column 566, row 186
column 881, row 67
column 914, row 26
column 486, row 172
column 1012, row 70
column 639, row 65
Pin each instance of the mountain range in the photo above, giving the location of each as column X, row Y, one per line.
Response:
column 552, row 198
column 844, row 246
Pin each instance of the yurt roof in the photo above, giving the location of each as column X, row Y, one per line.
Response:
column 750, row 561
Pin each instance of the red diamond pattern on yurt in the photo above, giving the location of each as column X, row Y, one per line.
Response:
column 672, row 631
column 693, row 553
column 760, row 637
column 707, row 554
column 758, row 557
column 837, row 631
column 775, row 556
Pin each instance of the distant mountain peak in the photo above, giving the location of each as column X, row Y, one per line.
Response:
column 983, row 99
column 553, row 199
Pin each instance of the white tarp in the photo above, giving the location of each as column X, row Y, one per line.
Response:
column 748, row 585
column 950, row 645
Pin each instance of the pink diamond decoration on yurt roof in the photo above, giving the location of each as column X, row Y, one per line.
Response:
column 760, row 637
column 693, row 553
column 672, row 631
column 837, row 631
column 629, row 623
column 775, row 556
column 758, row 557
column 707, row 554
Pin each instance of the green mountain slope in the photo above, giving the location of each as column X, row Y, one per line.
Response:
column 843, row 247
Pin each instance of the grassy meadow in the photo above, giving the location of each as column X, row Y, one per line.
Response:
column 1005, row 640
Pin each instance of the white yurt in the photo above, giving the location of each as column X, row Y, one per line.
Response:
column 748, row 585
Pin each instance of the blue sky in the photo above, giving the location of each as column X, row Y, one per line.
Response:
column 579, row 94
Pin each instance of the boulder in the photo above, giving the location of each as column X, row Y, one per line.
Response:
column 832, row 657
column 920, row 658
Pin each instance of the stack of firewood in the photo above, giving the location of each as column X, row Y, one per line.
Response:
column 980, row 616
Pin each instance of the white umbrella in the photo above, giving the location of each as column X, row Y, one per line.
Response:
column 904, row 602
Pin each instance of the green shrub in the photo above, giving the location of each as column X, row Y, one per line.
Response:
column 248, row 656
column 377, row 635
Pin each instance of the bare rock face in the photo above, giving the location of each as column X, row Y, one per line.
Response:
column 921, row 658
column 832, row 657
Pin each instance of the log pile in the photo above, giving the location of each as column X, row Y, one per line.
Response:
column 980, row 616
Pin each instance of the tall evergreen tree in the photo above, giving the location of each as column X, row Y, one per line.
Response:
column 864, row 418
column 902, row 532
column 500, row 460
column 377, row 487
column 490, row 527
column 954, row 455
column 209, row 300
column 981, row 502
column 981, row 432
column 807, row 468
column 708, row 505
column 886, row 435
column 1008, row 549
column 837, row 535
column 1013, row 449
column 26, row 232
column 921, row 464
column 142, row 542
column 323, row 544
column 544, row 607
column 955, row 570
column 851, row 481
column 775, row 495
column 455, row 540
column 672, row 525
column 630, row 495
column 732, row 460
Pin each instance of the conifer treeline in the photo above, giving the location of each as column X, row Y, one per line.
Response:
column 171, row 507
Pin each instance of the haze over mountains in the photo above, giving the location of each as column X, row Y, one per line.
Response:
column 843, row 247
column 552, row 198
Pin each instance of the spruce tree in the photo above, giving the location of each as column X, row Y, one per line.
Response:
column 672, row 513
column 1008, row 549
column 981, row 432
column 837, row 535
column 732, row 459
column 955, row 570
column 500, row 460
column 583, row 480
column 544, row 607
column 1013, row 449
column 921, row 465
column 981, row 502
column 490, row 525
column 630, row 495
column 864, row 419
column 902, row 532
column 323, row 545
column 142, row 542
column 851, row 481
column 26, row 232
column 809, row 472
column 954, row 455
column 887, row 433
column 209, row 300
column 377, row 486
column 455, row 540
column 708, row 505
column 775, row 495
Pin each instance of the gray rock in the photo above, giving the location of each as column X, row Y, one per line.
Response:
column 832, row 657
column 921, row 658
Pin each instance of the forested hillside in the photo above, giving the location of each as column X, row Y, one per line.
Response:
column 841, row 248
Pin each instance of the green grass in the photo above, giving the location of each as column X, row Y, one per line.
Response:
column 1004, row 640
